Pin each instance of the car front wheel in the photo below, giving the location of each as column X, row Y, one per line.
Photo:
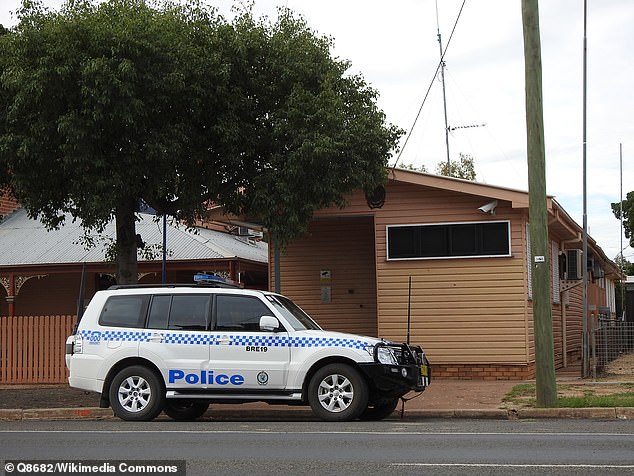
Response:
column 337, row 392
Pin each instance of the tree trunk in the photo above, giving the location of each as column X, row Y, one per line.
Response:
column 126, row 242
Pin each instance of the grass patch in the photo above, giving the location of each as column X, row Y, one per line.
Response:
column 523, row 390
column 588, row 401
column 575, row 396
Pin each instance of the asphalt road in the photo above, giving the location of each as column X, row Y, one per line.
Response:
column 436, row 447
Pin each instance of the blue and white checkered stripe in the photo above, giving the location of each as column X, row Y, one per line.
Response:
column 239, row 340
column 115, row 336
column 279, row 341
column 183, row 338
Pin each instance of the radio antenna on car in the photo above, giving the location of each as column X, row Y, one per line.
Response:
column 80, row 299
column 409, row 307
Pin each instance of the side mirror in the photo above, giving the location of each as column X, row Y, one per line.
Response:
column 269, row 323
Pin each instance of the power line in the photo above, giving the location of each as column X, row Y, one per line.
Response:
column 431, row 83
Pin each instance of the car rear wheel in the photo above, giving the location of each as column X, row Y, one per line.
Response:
column 182, row 409
column 136, row 394
column 337, row 392
column 381, row 410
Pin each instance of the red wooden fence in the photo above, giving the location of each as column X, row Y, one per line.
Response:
column 32, row 349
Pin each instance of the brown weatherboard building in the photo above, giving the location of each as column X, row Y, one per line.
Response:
column 470, row 304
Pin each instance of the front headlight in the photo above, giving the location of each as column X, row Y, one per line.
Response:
column 385, row 356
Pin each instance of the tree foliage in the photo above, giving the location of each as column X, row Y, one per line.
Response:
column 625, row 209
column 463, row 168
column 625, row 265
column 414, row 168
column 105, row 104
column 313, row 131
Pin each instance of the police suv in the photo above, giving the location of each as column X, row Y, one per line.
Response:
column 179, row 348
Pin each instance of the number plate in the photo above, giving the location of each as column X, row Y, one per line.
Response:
column 424, row 371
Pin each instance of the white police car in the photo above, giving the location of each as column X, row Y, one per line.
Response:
column 179, row 348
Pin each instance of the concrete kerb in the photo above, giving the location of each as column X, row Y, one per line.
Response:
column 587, row 413
column 56, row 414
column 306, row 415
column 527, row 413
column 625, row 413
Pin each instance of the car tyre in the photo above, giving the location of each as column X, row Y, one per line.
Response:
column 381, row 410
column 337, row 392
column 183, row 409
column 136, row 394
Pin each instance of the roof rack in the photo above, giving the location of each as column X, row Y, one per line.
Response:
column 214, row 284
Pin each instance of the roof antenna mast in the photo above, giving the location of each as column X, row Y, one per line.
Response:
column 444, row 96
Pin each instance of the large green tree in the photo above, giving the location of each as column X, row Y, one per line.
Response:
column 312, row 132
column 104, row 104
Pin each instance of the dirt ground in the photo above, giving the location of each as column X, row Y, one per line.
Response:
column 622, row 367
column 45, row 396
column 617, row 377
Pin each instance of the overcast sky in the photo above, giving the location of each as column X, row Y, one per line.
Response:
column 394, row 45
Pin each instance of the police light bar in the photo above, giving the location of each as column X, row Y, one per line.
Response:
column 201, row 278
column 205, row 278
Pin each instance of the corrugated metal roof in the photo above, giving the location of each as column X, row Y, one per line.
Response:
column 26, row 241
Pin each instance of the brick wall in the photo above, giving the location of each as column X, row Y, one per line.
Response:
column 484, row 372
column 7, row 203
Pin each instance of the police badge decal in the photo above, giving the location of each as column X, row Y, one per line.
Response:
column 263, row 378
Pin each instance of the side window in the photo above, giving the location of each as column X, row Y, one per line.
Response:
column 159, row 311
column 239, row 313
column 124, row 311
column 189, row 312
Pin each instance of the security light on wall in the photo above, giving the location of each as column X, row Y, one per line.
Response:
column 489, row 207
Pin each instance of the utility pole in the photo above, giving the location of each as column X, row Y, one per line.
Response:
column 538, row 213
column 585, row 345
column 622, row 266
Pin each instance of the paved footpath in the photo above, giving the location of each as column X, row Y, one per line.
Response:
column 443, row 399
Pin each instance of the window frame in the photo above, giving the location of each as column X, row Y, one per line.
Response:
column 171, row 296
column 448, row 225
column 208, row 312
column 142, row 317
column 214, row 315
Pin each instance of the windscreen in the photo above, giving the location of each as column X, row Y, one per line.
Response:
column 298, row 319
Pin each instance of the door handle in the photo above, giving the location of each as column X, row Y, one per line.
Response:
column 157, row 337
